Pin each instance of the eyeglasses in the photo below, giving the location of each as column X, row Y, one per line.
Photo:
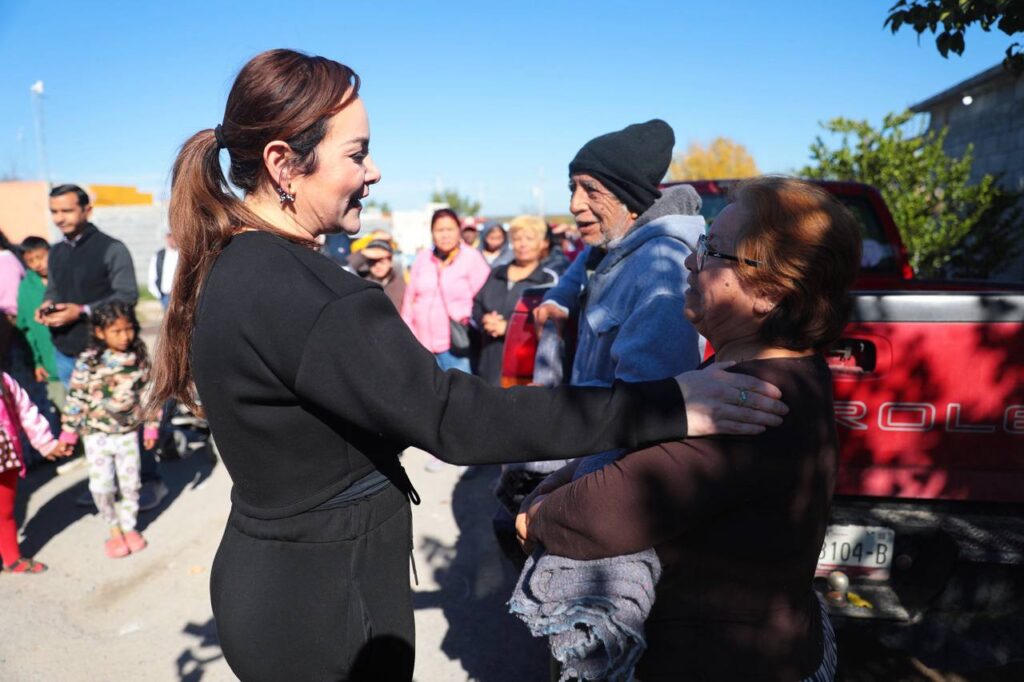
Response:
column 704, row 250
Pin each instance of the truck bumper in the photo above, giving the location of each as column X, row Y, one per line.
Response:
column 952, row 558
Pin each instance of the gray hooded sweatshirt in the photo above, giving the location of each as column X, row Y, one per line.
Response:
column 632, row 326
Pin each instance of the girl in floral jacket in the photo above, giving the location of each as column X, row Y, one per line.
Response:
column 104, row 405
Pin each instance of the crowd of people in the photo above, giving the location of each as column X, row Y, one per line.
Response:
column 633, row 565
column 656, row 456
column 458, row 295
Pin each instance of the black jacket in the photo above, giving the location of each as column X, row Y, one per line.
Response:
column 311, row 379
column 496, row 295
column 95, row 269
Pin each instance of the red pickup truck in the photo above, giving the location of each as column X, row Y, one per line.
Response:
column 929, row 391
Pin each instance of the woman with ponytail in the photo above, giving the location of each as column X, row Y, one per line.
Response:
column 313, row 385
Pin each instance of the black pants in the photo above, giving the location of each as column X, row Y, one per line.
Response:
column 320, row 596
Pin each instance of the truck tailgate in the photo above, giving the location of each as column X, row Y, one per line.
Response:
column 929, row 391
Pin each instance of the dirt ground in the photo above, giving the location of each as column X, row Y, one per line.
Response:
column 148, row 618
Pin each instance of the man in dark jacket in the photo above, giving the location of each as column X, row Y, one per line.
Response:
column 87, row 268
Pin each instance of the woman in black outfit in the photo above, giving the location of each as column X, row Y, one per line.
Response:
column 314, row 385
column 494, row 303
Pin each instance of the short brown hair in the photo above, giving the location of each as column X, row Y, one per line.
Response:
column 808, row 246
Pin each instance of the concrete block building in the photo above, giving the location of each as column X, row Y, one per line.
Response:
column 987, row 111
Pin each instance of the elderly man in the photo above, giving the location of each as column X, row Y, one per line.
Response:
column 629, row 284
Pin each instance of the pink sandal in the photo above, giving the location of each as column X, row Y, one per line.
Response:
column 25, row 565
column 116, row 548
column 135, row 542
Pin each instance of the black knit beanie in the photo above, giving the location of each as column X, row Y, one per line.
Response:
column 630, row 162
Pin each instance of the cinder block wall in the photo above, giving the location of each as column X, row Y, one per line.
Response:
column 141, row 228
column 994, row 124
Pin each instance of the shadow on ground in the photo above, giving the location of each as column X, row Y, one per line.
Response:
column 192, row 662
column 863, row 658
column 476, row 581
column 60, row 512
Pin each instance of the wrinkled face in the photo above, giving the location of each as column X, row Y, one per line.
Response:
column 718, row 304
column 69, row 217
column 495, row 239
column 329, row 200
column 36, row 260
column 527, row 247
column 118, row 335
column 600, row 216
column 445, row 233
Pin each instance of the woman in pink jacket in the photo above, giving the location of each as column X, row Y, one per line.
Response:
column 442, row 284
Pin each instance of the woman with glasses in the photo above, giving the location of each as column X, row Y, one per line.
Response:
column 737, row 523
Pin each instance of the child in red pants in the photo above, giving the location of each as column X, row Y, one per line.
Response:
column 19, row 415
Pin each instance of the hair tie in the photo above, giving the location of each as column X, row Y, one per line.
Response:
column 218, row 133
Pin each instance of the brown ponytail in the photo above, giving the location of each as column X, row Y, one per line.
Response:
column 278, row 95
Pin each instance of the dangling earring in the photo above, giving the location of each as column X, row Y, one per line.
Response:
column 283, row 196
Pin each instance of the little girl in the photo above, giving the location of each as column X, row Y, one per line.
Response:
column 104, row 405
column 18, row 415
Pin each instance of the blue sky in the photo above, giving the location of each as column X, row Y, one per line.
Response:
column 491, row 99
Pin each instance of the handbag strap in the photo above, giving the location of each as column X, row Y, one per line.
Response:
column 440, row 290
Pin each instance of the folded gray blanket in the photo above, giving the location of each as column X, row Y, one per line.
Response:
column 592, row 611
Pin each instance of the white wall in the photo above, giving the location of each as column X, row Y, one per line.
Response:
column 411, row 229
column 141, row 228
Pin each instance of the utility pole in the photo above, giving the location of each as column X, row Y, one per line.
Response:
column 37, row 113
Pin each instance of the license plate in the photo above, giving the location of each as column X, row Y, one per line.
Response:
column 863, row 551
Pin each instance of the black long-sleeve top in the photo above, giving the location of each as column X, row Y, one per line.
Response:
column 737, row 522
column 311, row 379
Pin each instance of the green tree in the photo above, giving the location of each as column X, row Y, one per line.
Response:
column 949, row 226
column 464, row 206
column 955, row 16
